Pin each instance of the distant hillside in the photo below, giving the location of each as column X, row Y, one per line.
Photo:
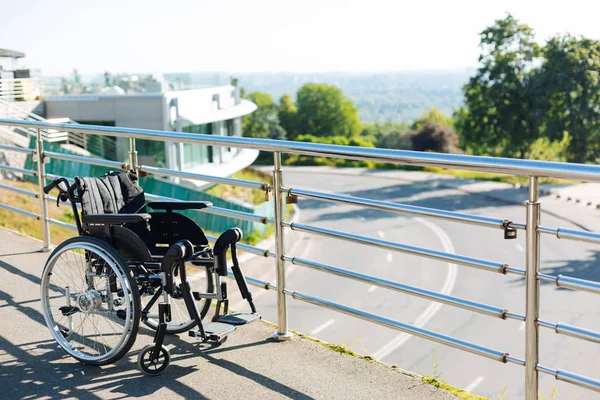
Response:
column 380, row 97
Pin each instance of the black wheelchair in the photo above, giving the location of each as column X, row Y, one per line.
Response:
column 127, row 266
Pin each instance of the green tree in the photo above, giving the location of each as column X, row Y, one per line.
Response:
column 262, row 123
column 324, row 111
column 433, row 115
column 500, row 100
column 288, row 114
column 570, row 78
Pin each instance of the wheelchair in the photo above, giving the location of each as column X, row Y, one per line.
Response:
column 128, row 265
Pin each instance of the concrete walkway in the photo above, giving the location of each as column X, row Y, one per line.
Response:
column 250, row 365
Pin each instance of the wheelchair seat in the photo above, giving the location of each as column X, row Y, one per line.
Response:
column 114, row 210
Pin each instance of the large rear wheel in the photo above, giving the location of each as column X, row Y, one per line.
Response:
column 90, row 301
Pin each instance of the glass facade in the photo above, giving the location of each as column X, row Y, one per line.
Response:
column 196, row 154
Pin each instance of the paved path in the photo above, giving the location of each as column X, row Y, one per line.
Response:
column 481, row 376
column 250, row 365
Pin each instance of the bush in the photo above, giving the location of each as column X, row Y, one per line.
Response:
column 435, row 137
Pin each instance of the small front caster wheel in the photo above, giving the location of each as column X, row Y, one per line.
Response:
column 154, row 366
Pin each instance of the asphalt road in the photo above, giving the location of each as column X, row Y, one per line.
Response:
column 479, row 375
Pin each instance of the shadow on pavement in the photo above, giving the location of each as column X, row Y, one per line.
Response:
column 42, row 369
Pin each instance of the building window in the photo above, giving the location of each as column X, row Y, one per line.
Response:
column 196, row 154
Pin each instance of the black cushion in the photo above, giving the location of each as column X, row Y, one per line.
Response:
column 112, row 193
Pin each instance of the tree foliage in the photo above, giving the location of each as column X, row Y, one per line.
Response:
column 263, row 123
column 500, row 99
column 525, row 97
column 324, row 111
column 570, row 76
column 288, row 114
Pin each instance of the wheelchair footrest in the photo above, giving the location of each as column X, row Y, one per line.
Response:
column 239, row 318
column 215, row 331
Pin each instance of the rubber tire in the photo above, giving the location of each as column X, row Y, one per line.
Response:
column 147, row 349
column 210, row 283
column 137, row 308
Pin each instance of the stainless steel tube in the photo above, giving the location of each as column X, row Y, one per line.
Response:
column 41, row 172
column 579, row 284
column 412, row 290
column 18, row 210
column 19, row 170
column 401, row 208
column 570, row 330
column 458, row 161
column 133, row 156
column 22, row 191
column 417, row 251
column 63, row 224
column 571, row 377
column 200, row 177
column 15, row 148
column 85, row 160
column 282, row 328
column 532, row 295
column 411, row 329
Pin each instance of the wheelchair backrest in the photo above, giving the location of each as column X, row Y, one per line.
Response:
column 112, row 193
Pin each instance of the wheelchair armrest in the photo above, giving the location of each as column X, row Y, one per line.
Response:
column 114, row 219
column 179, row 205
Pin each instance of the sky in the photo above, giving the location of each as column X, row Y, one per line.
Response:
column 131, row 36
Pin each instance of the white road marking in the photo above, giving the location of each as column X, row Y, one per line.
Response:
column 474, row 384
column 520, row 248
column 380, row 234
column 322, row 327
column 522, row 326
column 372, row 288
column 389, row 257
column 434, row 307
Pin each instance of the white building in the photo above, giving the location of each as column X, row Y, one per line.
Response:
column 215, row 111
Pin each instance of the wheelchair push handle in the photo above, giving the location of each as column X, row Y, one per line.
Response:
column 61, row 183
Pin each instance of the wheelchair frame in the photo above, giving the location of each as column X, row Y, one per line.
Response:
column 123, row 252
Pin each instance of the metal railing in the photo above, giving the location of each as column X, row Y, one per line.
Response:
column 19, row 89
column 530, row 168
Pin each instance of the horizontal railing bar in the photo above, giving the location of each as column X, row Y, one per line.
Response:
column 255, row 282
column 384, row 244
column 61, row 223
column 19, row 170
column 570, row 330
column 571, row 377
column 221, row 211
column 571, row 283
column 85, row 160
column 18, row 210
column 515, row 360
column 224, row 212
column 401, row 208
column 411, row 329
column 17, row 149
column 52, row 177
column 407, row 289
column 208, row 178
column 22, row 191
column 571, row 234
column 406, row 157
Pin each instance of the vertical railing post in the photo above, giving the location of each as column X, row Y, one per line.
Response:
column 133, row 156
column 532, row 287
column 282, row 329
column 41, row 175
